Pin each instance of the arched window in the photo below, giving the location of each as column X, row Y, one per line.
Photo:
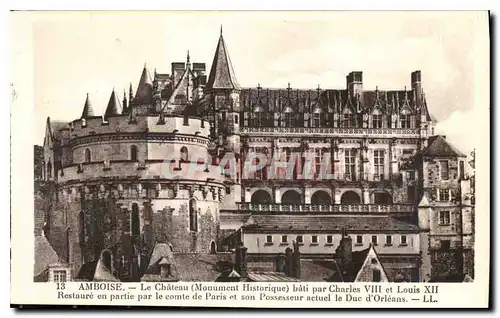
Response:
column 81, row 228
column 133, row 153
column 213, row 249
column 88, row 157
column 321, row 197
column 291, row 197
column 261, row 197
column 49, row 170
column 193, row 216
column 135, row 220
column 350, row 197
column 184, row 154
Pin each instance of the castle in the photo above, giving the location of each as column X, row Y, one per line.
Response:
column 165, row 170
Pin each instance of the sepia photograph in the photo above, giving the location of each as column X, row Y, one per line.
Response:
column 264, row 147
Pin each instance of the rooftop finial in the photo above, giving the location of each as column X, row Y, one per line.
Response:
column 188, row 58
column 221, row 29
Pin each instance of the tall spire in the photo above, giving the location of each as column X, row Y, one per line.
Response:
column 144, row 91
column 114, row 106
column 125, row 108
column 222, row 73
column 87, row 108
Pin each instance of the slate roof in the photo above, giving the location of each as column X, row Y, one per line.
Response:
column 438, row 147
column 222, row 73
column 233, row 218
column 144, row 91
column 114, row 106
column 329, row 100
column 349, row 273
column 88, row 111
column 45, row 255
column 200, row 267
column 280, row 223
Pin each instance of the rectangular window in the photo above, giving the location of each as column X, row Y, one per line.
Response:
column 60, row 276
column 316, row 120
column 347, row 121
column 350, row 164
column 403, row 240
column 314, row 239
column 444, row 195
column 443, row 169
column 377, row 121
column 318, row 159
column 376, row 275
column 269, row 239
column 300, row 239
column 289, row 119
column 388, row 240
column 444, row 217
column 374, row 239
column 411, row 175
column 378, row 162
column 284, row 239
column 359, row 239
column 405, row 121
column 329, row 239
column 462, row 170
column 445, row 244
column 258, row 119
column 253, row 152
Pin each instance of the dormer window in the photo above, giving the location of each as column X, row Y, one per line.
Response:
column 377, row 119
column 405, row 121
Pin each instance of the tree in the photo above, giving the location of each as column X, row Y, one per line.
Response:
column 38, row 161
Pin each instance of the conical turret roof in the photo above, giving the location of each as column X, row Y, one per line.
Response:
column 114, row 106
column 144, row 91
column 222, row 73
column 87, row 108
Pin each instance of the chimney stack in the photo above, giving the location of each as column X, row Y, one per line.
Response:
column 280, row 263
column 355, row 83
column 344, row 250
column 178, row 69
column 296, row 259
column 289, row 262
column 416, row 84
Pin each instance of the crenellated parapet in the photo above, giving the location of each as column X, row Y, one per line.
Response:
column 140, row 124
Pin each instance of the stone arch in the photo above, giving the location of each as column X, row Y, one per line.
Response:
column 107, row 259
column 184, row 154
column 350, row 197
column 261, row 197
column 213, row 248
column 88, row 155
column 382, row 197
column 321, row 197
column 291, row 197
column 49, row 170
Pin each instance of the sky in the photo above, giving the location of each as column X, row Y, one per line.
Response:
column 95, row 52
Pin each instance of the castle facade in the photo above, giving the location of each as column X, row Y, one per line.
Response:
column 203, row 165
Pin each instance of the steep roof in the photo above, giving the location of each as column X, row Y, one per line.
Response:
column 87, row 108
column 114, row 106
column 222, row 73
column 182, row 94
column 144, row 93
column 45, row 255
column 439, row 147
column 326, row 223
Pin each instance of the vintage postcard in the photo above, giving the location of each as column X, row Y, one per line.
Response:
column 250, row 159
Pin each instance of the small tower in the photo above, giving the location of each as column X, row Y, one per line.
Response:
column 87, row 109
column 114, row 107
column 222, row 109
column 143, row 99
